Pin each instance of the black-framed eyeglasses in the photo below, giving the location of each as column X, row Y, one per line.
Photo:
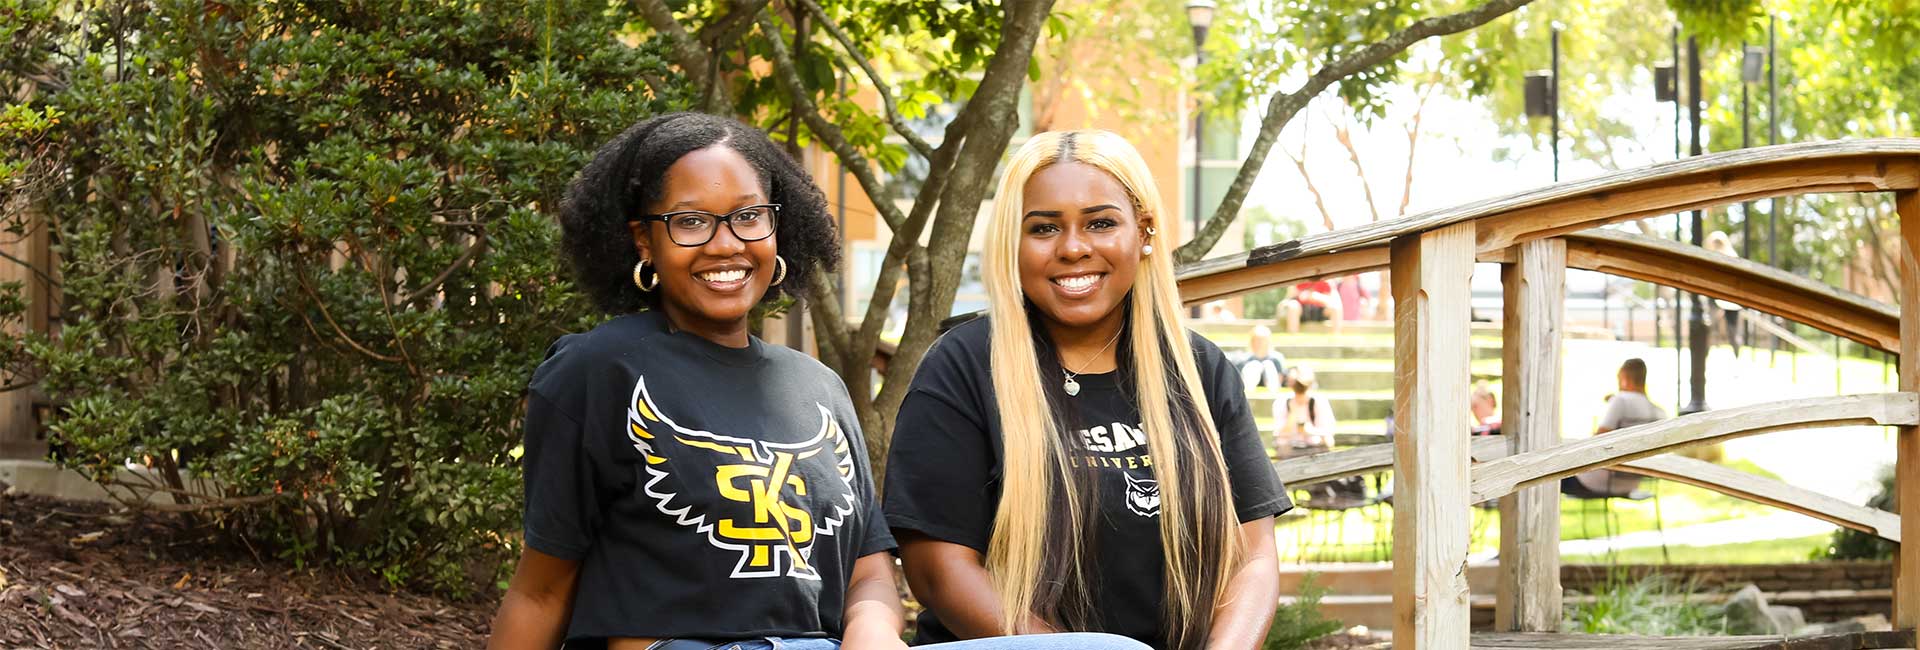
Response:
column 695, row 228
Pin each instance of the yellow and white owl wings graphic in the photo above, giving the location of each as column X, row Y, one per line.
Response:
column 766, row 519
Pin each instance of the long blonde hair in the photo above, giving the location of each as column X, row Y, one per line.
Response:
column 1040, row 569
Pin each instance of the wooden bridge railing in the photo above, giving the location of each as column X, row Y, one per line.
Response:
column 1536, row 236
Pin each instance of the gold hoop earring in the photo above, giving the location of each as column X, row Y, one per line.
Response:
column 640, row 281
column 779, row 270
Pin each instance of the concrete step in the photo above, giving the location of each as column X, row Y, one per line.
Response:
column 1347, row 405
column 1344, row 348
column 1242, row 327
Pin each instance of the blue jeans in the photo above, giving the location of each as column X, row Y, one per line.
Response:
column 1061, row 641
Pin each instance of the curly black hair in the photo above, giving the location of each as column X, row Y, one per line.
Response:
column 626, row 175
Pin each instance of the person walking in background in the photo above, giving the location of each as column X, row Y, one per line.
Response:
column 1305, row 420
column 1264, row 368
column 1354, row 298
column 1311, row 301
column 1719, row 242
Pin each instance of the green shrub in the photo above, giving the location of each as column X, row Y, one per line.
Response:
column 1652, row 606
column 1296, row 624
column 1850, row 544
column 306, row 255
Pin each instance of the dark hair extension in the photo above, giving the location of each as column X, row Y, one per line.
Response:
column 626, row 175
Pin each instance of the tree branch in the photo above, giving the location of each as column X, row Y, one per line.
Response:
column 1282, row 107
column 693, row 61
column 1413, row 143
column 1326, row 216
column 850, row 157
column 991, row 116
column 1343, row 133
column 899, row 125
column 479, row 243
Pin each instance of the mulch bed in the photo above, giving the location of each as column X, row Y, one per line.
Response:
column 89, row 575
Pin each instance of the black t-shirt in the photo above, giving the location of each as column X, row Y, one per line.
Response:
column 706, row 491
column 944, row 470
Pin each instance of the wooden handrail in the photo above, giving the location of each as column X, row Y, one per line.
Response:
column 1302, row 471
column 1650, row 259
column 1368, row 459
column 1763, row 490
column 1871, row 165
column 1736, row 280
column 1497, row 478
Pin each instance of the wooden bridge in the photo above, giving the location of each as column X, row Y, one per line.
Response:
column 1536, row 236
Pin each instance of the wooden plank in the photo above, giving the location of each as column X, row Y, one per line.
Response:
column 1879, row 164
column 1539, row 641
column 1535, row 289
column 1226, row 277
column 1672, row 194
column 1432, row 273
column 1906, row 573
column 1498, row 478
column 1301, row 471
column 1649, row 259
column 1730, row 278
column 18, row 428
column 1763, row 490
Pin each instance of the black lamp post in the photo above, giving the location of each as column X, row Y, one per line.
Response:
column 1543, row 100
column 1200, row 16
column 1696, row 327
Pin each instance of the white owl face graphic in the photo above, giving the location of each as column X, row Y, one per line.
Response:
column 1143, row 496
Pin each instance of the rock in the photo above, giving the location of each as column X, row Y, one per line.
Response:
column 1747, row 612
column 1786, row 619
column 1874, row 623
column 1836, row 627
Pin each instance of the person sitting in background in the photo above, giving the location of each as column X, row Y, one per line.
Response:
column 1263, row 368
column 1312, row 301
column 1216, row 312
column 1305, row 421
column 1630, row 407
column 1627, row 408
column 1486, row 410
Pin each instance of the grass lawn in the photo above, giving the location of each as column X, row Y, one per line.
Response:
column 1798, row 549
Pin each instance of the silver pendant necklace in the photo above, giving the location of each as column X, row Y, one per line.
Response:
column 1070, row 385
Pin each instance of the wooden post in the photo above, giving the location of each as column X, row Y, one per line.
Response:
column 1431, row 274
column 1906, row 578
column 1535, row 285
column 19, row 429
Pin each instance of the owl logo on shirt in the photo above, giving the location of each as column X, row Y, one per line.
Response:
column 1143, row 496
column 761, row 511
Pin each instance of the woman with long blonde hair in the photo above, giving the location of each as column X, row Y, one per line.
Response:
column 1079, row 461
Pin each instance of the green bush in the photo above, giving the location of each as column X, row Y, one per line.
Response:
column 1652, row 606
column 1850, row 544
column 307, row 261
column 1299, row 623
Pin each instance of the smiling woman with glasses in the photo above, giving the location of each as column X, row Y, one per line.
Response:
column 648, row 489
